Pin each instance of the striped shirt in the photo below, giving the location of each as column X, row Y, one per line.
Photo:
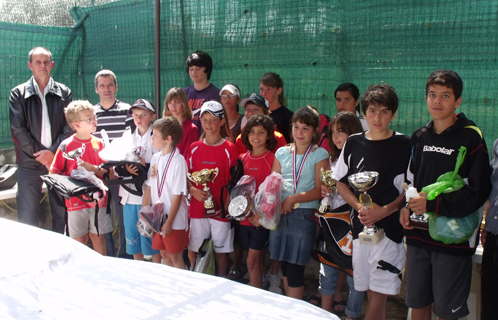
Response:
column 114, row 120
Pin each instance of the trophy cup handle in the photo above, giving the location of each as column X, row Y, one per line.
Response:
column 189, row 176
column 215, row 171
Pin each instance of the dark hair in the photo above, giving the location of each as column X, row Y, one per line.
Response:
column 200, row 59
column 352, row 89
column 105, row 73
column 30, row 54
column 225, row 131
column 169, row 126
column 309, row 116
column 349, row 124
column 264, row 121
column 445, row 78
column 379, row 95
column 271, row 79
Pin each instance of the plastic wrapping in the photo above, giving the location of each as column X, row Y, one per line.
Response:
column 119, row 150
column 154, row 217
column 84, row 175
column 242, row 198
column 448, row 229
column 268, row 201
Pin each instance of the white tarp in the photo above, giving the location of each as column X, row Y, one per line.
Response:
column 44, row 275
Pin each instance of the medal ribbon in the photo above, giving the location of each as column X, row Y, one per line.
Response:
column 296, row 172
column 163, row 178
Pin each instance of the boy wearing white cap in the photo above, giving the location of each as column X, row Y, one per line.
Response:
column 213, row 151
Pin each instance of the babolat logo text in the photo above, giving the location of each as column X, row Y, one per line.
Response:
column 438, row 149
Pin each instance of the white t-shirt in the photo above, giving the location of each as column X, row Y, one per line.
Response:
column 175, row 184
column 147, row 151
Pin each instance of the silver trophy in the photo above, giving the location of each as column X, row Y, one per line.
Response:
column 242, row 196
column 74, row 155
column 362, row 182
column 417, row 221
column 238, row 209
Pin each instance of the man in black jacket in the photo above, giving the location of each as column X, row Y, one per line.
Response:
column 38, row 125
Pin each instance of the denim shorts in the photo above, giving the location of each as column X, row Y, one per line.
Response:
column 294, row 237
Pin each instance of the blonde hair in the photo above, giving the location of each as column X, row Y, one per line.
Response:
column 73, row 110
column 180, row 95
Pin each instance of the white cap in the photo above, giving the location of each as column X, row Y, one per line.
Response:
column 214, row 108
column 232, row 89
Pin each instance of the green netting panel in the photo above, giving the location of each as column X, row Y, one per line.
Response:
column 314, row 45
column 122, row 40
column 16, row 40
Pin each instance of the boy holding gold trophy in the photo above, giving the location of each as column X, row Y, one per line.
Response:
column 374, row 163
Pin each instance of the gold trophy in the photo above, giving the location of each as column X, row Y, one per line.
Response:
column 362, row 182
column 330, row 184
column 203, row 177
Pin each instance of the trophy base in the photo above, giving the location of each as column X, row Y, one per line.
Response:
column 371, row 238
column 211, row 212
column 420, row 222
column 419, row 225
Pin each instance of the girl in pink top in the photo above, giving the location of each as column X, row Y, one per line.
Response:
column 176, row 105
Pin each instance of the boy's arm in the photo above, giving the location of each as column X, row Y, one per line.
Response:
column 468, row 199
column 146, row 199
column 377, row 213
column 348, row 195
column 99, row 172
column 175, row 205
column 371, row 216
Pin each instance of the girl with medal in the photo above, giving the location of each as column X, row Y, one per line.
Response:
column 299, row 163
column 258, row 137
column 167, row 183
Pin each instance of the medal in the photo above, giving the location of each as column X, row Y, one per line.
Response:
column 160, row 184
column 296, row 172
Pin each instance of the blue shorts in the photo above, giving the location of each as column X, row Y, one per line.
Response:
column 252, row 238
column 135, row 242
column 294, row 237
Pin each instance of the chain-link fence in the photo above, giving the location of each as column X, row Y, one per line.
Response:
column 314, row 45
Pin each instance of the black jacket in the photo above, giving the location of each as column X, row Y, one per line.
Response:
column 434, row 154
column 26, row 116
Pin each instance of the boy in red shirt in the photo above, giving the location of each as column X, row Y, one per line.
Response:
column 81, row 216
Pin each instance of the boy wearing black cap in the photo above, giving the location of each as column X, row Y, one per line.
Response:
column 143, row 112
column 254, row 105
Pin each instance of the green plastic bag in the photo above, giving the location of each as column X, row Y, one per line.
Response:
column 447, row 229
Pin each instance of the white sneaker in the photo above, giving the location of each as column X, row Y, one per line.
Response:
column 275, row 283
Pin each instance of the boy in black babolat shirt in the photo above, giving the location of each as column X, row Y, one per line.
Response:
column 376, row 266
column 439, row 275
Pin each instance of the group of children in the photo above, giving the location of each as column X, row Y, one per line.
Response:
column 202, row 131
